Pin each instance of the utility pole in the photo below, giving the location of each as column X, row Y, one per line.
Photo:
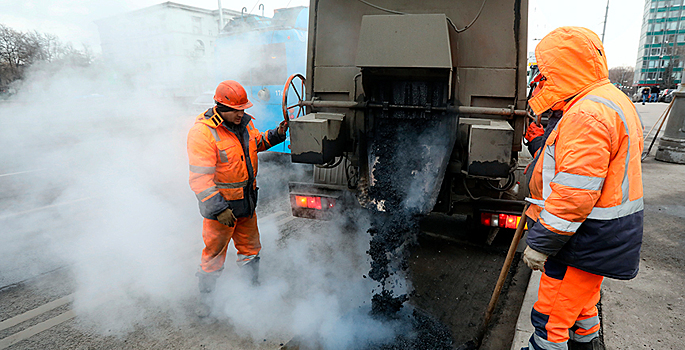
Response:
column 221, row 18
column 605, row 21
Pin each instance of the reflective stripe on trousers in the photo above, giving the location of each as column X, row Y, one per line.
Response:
column 245, row 236
column 566, row 307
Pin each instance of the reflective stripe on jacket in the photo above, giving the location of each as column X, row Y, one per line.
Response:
column 223, row 163
column 586, row 187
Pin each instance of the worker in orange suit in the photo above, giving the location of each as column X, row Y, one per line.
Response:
column 586, row 212
column 222, row 151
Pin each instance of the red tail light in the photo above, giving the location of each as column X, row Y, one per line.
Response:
column 301, row 201
column 485, row 219
column 511, row 221
column 500, row 220
column 313, row 202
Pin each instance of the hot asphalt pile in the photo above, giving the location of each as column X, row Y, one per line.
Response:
column 403, row 189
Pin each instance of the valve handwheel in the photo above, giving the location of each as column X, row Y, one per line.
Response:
column 298, row 89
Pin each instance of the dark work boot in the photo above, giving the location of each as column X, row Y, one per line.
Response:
column 252, row 271
column 595, row 344
column 206, row 284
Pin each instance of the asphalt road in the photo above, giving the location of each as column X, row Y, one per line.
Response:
column 313, row 279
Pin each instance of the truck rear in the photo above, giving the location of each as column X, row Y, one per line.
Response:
column 418, row 105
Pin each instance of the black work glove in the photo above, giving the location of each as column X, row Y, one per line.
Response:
column 283, row 127
column 227, row 218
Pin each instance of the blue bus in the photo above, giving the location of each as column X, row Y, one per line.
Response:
column 261, row 53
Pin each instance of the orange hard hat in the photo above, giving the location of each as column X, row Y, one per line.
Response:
column 230, row 93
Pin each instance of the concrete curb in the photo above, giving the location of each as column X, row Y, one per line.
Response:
column 524, row 328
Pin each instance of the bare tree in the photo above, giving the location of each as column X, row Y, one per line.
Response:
column 19, row 50
column 623, row 76
column 11, row 55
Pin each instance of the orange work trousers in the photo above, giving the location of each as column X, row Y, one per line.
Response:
column 216, row 236
column 566, row 307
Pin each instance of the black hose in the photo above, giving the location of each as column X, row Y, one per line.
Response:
column 511, row 181
column 329, row 165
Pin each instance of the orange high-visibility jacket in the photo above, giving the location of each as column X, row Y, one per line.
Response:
column 223, row 163
column 586, row 187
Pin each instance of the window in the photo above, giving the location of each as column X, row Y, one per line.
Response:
column 197, row 25
column 200, row 48
column 656, row 39
column 646, row 52
column 645, row 64
column 656, row 51
column 680, row 38
column 666, row 51
column 661, row 76
column 661, row 14
column 651, row 75
column 664, row 63
column 652, row 64
column 672, row 25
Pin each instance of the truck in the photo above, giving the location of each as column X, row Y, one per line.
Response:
column 261, row 52
column 442, row 84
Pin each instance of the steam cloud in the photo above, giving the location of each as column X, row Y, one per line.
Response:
column 95, row 178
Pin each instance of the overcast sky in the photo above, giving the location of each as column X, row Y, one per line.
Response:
column 72, row 20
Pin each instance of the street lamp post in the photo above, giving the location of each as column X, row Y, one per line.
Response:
column 221, row 17
column 606, row 14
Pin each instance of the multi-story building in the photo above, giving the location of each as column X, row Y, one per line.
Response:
column 662, row 44
column 167, row 47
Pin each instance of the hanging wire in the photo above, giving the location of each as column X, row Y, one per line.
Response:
column 448, row 19
column 255, row 5
column 511, row 181
column 381, row 8
column 468, row 25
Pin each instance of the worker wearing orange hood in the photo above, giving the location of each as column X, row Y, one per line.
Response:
column 586, row 213
column 222, row 151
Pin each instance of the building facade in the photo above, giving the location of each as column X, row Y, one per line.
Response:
column 167, row 47
column 662, row 44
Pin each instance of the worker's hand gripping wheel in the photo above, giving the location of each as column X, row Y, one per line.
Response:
column 297, row 109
